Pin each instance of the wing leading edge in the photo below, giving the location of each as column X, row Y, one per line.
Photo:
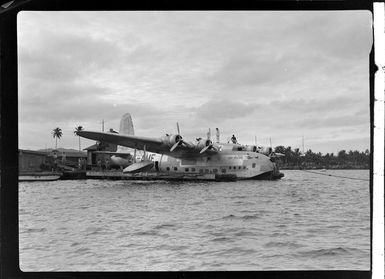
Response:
column 152, row 144
column 170, row 144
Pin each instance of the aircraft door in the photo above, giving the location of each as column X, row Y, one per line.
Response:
column 158, row 164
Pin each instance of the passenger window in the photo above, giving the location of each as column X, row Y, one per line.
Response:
column 175, row 168
column 167, row 168
column 240, row 167
column 215, row 170
column 193, row 169
column 223, row 170
column 235, row 168
column 186, row 169
column 200, row 171
column 253, row 165
column 207, row 171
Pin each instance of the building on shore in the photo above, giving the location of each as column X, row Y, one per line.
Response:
column 30, row 160
column 35, row 161
column 93, row 156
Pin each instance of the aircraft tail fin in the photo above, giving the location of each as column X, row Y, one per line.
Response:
column 126, row 128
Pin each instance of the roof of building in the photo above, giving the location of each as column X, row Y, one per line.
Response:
column 42, row 153
column 76, row 154
column 92, row 147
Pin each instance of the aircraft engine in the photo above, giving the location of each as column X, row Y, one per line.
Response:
column 205, row 144
column 251, row 148
column 266, row 151
column 174, row 139
column 202, row 143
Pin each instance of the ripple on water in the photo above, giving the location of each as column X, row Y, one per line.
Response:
column 221, row 239
column 280, row 244
column 164, row 226
column 326, row 252
column 243, row 225
column 33, row 230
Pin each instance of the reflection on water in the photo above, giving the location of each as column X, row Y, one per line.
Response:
column 304, row 221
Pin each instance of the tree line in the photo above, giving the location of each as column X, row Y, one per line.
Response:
column 57, row 134
column 343, row 160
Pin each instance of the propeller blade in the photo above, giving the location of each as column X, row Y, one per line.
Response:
column 177, row 127
column 209, row 134
column 204, row 149
column 187, row 144
column 174, row 146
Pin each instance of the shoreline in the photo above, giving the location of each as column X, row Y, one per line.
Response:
column 322, row 168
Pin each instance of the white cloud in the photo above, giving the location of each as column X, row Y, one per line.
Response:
column 274, row 74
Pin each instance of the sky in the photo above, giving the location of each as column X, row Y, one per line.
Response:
column 271, row 75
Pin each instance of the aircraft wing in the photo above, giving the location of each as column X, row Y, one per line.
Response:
column 152, row 144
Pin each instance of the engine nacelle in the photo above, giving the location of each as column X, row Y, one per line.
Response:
column 266, row 151
column 251, row 148
column 174, row 139
column 170, row 140
column 202, row 143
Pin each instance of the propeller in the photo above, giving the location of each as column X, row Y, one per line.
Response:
column 176, row 145
column 209, row 144
column 179, row 140
column 207, row 147
column 204, row 149
column 177, row 127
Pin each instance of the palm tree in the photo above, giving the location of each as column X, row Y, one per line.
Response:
column 78, row 129
column 57, row 133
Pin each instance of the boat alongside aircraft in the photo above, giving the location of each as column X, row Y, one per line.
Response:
column 39, row 176
column 171, row 156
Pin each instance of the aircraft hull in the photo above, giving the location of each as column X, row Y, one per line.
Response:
column 118, row 175
column 221, row 167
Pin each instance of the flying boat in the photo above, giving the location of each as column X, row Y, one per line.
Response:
column 172, row 155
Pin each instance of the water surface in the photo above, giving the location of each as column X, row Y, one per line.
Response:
column 304, row 221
